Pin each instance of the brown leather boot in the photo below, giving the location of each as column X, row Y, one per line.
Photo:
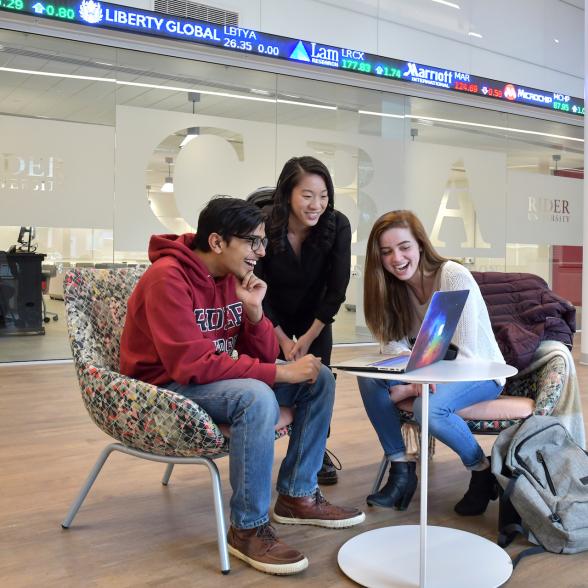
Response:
column 315, row 510
column 262, row 550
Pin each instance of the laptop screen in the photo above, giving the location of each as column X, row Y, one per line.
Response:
column 437, row 328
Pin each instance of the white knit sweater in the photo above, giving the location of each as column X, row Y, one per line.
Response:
column 473, row 335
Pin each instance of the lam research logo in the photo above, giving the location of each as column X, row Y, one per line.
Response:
column 91, row 11
column 300, row 53
column 510, row 92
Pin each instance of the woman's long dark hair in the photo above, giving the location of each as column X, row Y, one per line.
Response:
column 321, row 235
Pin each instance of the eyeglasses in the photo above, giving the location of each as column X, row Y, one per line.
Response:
column 255, row 241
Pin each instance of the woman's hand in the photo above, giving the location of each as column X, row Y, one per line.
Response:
column 301, row 346
column 304, row 342
column 286, row 345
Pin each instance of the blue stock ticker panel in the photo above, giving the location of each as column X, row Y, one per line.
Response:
column 111, row 16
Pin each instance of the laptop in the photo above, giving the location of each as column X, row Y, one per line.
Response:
column 432, row 341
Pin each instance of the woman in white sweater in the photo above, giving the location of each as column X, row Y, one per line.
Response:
column 402, row 271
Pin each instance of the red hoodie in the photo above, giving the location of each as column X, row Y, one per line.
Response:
column 182, row 324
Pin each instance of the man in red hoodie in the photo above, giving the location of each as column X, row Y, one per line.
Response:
column 197, row 303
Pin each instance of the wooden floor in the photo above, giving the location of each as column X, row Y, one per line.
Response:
column 132, row 531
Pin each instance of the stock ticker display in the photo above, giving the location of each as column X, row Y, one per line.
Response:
column 111, row 16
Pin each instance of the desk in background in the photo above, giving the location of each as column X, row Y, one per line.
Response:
column 21, row 302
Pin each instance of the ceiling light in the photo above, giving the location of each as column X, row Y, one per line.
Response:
column 556, row 40
column 193, row 97
column 179, row 89
column 33, row 72
column 425, row 120
column 168, row 185
column 309, row 104
column 450, row 4
column 191, row 134
column 382, row 114
column 477, row 35
column 495, row 127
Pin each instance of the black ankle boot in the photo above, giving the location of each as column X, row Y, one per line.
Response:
column 397, row 492
column 483, row 488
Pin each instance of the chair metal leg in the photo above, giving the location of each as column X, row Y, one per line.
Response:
column 89, row 481
column 381, row 472
column 221, row 529
column 167, row 475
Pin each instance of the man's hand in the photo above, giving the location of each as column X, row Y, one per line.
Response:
column 305, row 369
column 400, row 392
column 251, row 292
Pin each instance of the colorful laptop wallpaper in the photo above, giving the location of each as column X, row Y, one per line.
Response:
column 438, row 327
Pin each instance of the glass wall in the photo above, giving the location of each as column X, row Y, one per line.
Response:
column 102, row 147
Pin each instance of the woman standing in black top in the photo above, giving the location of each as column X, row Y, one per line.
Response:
column 306, row 266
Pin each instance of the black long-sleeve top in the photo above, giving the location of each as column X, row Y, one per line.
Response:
column 309, row 287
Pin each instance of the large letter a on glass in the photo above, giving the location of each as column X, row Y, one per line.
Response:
column 465, row 211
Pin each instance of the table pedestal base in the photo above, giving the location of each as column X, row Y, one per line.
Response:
column 389, row 557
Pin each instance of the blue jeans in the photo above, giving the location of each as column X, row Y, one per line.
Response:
column 444, row 424
column 252, row 409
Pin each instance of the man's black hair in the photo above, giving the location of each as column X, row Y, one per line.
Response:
column 228, row 217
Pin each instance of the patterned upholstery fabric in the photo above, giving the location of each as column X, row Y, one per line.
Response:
column 544, row 386
column 137, row 414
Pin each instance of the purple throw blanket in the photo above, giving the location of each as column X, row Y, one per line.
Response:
column 523, row 312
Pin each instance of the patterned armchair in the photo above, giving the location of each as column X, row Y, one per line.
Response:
column 534, row 392
column 147, row 421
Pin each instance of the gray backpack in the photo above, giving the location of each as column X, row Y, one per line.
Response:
column 543, row 474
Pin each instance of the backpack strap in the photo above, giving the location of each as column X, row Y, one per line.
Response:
column 510, row 531
column 507, row 534
column 510, row 486
column 526, row 552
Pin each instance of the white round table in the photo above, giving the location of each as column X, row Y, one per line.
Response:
column 405, row 556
